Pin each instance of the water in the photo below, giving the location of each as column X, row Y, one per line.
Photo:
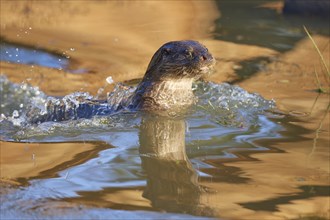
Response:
column 31, row 56
column 250, row 23
column 138, row 149
column 232, row 156
column 222, row 104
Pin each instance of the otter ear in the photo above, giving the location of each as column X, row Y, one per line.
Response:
column 156, row 58
column 166, row 51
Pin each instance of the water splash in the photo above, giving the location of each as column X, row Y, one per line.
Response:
column 119, row 166
column 16, row 97
column 23, row 105
column 230, row 105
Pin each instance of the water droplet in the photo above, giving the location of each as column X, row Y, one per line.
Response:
column 72, row 49
column 109, row 80
column 3, row 117
column 30, row 28
column 15, row 114
column 100, row 91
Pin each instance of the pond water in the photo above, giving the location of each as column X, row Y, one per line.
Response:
column 32, row 56
column 234, row 155
column 226, row 119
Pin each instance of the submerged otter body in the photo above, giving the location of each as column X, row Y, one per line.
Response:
column 166, row 85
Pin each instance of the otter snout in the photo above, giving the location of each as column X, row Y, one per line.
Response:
column 203, row 57
column 206, row 57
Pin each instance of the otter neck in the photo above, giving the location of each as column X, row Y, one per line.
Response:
column 167, row 94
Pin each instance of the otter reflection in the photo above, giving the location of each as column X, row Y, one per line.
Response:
column 172, row 182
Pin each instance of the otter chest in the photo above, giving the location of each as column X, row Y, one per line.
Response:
column 168, row 94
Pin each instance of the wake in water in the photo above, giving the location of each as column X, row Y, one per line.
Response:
column 230, row 105
column 24, row 107
column 144, row 150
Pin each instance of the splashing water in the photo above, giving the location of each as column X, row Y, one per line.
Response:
column 224, row 104
column 16, row 97
column 230, row 105
column 225, row 117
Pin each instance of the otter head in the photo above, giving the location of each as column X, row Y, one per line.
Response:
column 179, row 60
column 168, row 80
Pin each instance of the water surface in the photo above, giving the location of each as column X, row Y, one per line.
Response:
column 234, row 155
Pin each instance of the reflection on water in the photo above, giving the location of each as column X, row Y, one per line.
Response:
column 31, row 56
column 172, row 182
column 145, row 162
column 307, row 191
column 252, row 22
column 256, row 23
column 148, row 155
column 228, row 158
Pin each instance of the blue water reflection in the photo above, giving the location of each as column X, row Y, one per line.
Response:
column 31, row 56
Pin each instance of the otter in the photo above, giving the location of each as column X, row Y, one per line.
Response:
column 167, row 84
column 168, row 80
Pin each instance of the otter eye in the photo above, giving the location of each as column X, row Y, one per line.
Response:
column 189, row 53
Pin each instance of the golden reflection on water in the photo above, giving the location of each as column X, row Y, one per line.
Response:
column 118, row 38
column 40, row 160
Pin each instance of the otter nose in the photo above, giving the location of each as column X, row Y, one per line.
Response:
column 206, row 57
column 203, row 58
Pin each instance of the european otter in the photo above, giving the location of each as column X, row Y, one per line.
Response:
column 166, row 84
column 170, row 74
